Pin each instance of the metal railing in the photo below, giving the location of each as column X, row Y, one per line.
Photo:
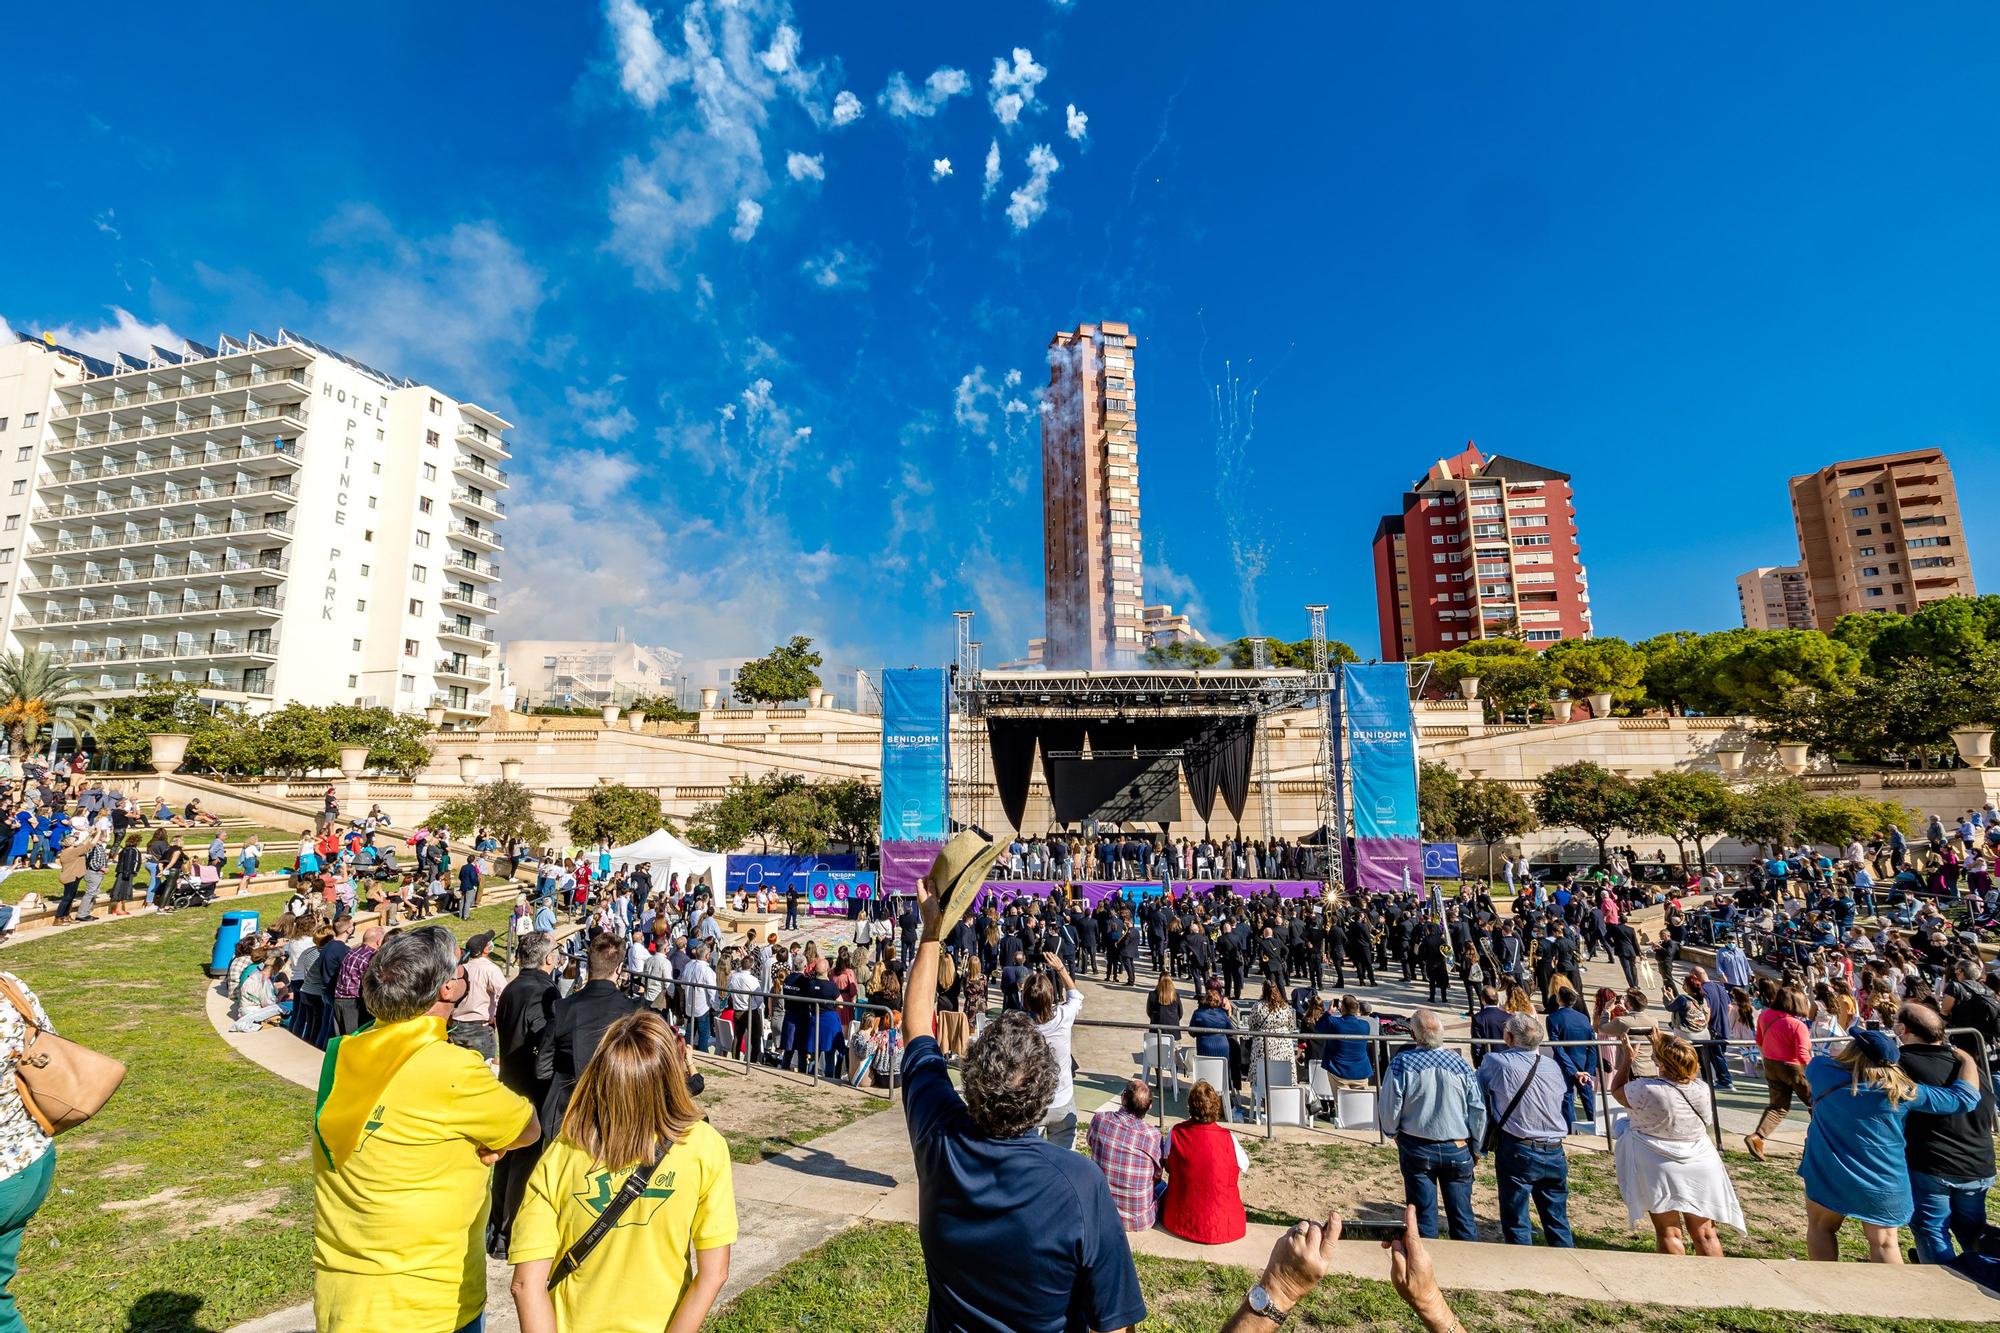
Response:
column 179, row 426
column 166, row 495
column 179, row 458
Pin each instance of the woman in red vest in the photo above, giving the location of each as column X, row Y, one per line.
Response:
column 1204, row 1162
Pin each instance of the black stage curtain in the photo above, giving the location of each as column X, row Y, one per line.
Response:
column 1199, row 762
column 1058, row 733
column 1233, row 756
column 1013, row 741
column 1114, row 791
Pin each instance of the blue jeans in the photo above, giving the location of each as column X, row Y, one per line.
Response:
column 1944, row 1209
column 1527, row 1171
column 1426, row 1168
column 704, row 1032
column 1580, row 1093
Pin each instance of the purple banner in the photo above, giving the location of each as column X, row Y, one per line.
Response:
column 1095, row 891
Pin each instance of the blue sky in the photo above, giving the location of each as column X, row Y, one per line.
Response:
column 774, row 371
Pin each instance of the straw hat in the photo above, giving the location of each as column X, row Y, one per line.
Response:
column 959, row 870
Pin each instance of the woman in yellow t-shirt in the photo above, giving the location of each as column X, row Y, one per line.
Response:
column 630, row 1100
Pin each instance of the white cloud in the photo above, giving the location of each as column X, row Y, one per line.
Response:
column 904, row 101
column 599, row 414
column 748, row 214
column 1031, row 200
column 846, row 108
column 940, row 168
column 1012, row 87
column 992, row 180
column 965, row 400
column 123, row 332
column 804, row 167
column 782, row 55
column 836, row 269
column 416, row 305
column 645, row 70
column 1078, row 123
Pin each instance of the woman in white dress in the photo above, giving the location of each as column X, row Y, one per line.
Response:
column 1668, row 1169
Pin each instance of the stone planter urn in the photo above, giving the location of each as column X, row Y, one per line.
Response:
column 1468, row 687
column 1560, row 709
column 1975, row 745
column 708, row 699
column 1793, row 755
column 353, row 758
column 1730, row 761
column 510, row 770
column 1600, row 704
column 169, row 748
column 468, row 769
column 434, row 717
column 610, row 713
column 636, row 719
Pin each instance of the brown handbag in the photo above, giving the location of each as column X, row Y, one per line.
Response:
column 61, row 1082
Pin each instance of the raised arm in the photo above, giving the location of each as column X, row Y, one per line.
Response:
column 920, row 991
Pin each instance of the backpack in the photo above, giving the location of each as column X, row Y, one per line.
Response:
column 1694, row 1018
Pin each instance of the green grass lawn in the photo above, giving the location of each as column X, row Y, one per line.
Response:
column 187, row 1205
column 871, row 1278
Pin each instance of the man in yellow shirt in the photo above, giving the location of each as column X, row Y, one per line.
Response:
column 406, row 1132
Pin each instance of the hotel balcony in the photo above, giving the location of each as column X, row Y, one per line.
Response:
column 199, row 529
column 453, row 669
column 482, row 441
column 194, row 568
column 220, row 494
column 479, row 503
column 264, row 379
column 185, row 648
column 474, row 601
column 476, row 536
column 478, row 470
column 260, row 457
column 468, row 567
column 221, row 605
column 471, row 706
column 451, row 629
column 277, row 421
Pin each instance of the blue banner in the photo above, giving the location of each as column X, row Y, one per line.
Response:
column 829, row 891
column 915, row 770
column 777, row 872
column 1440, row 860
column 1382, row 756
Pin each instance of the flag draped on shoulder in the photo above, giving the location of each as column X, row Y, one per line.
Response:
column 356, row 1074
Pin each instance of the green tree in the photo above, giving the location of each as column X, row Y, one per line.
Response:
column 854, row 812
column 659, row 708
column 397, row 742
column 1437, row 801
column 294, row 740
column 1297, row 655
column 1858, row 630
column 1512, row 685
column 1950, row 634
column 785, row 673
column 1766, row 665
column 1769, row 814
column 37, row 692
column 728, row 823
column 1448, row 667
column 504, row 809
column 1182, row 655
column 1906, row 709
column 1584, row 796
column 1687, row 807
column 1598, row 666
column 615, row 815
column 221, row 739
column 1680, row 668
column 1489, row 812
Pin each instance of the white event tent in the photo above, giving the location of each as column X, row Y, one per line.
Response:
column 668, row 855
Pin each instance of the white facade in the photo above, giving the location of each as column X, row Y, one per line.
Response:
column 270, row 520
column 1775, row 597
column 590, row 674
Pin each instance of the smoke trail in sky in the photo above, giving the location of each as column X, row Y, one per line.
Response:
column 1233, row 414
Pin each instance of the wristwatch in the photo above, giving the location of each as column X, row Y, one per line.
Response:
column 1259, row 1301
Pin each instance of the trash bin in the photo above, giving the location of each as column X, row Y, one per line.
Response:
column 235, row 925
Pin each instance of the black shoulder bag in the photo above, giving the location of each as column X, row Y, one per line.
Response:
column 1490, row 1143
column 635, row 1185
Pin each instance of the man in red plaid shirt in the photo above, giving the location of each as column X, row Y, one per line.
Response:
column 1132, row 1154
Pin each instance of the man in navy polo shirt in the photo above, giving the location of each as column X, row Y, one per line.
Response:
column 1019, row 1235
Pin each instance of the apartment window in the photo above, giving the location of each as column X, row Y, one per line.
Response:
column 24, row 453
column 1929, row 541
column 29, row 419
column 1862, row 512
column 1531, row 520
column 431, row 438
column 1896, row 588
column 423, row 538
column 1880, row 509
column 1871, row 571
column 416, row 607
column 1444, row 578
column 1866, row 551
column 364, row 571
column 430, row 472
column 410, row 647
column 371, row 502
column 353, row 682
column 361, row 604
column 1864, row 532
column 357, row 645
column 1889, row 548
column 368, row 534
column 437, row 407
column 423, row 504
column 418, row 574
column 1871, row 592
column 3, row 423
column 407, row 682
column 20, row 488
column 1857, row 491
column 1436, row 540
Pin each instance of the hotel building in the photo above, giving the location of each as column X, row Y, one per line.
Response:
column 1483, row 548
column 1090, row 501
column 266, row 519
column 1775, row 597
column 1881, row 534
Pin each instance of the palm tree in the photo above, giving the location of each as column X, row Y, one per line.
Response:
column 37, row 691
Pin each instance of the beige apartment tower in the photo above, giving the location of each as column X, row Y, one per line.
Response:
column 1880, row 534
column 1090, row 501
column 1775, row 597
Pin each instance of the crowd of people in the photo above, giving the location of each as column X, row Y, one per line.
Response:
column 1102, row 854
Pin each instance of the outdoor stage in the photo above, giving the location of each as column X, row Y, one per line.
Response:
column 1095, row 891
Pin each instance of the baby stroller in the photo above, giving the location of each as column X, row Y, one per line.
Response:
column 184, row 891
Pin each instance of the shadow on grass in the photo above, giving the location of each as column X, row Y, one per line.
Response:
column 167, row 1312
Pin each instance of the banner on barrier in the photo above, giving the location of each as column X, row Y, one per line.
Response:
column 1382, row 756
column 1440, row 860
column 1095, row 891
column 776, row 872
column 828, row 892
column 915, row 767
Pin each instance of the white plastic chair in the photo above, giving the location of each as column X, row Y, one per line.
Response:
column 1321, row 1084
column 1161, row 1052
column 1288, row 1106
column 1355, row 1109
column 1214, row 1071
column 725, row 1035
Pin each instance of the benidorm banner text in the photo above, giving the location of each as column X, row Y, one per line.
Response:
column 915, row 766
column 1382, row 757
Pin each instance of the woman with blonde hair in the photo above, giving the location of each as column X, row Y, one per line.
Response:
column 1854, row 1164
column 1668, row 1169
column 1518, row 1001
column 630, row 1115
